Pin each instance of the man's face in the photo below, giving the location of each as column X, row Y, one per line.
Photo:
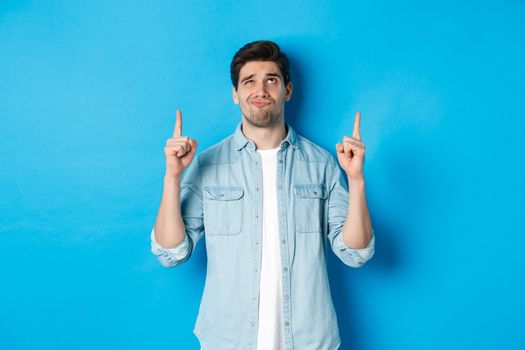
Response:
column 261, row 93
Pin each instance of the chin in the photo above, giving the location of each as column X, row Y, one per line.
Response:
column 263, row 122
column 257, row 120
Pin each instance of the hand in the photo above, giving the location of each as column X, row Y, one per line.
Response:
column 179, row 150
column 351, row 153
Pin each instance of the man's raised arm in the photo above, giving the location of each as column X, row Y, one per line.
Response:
column 169, row 230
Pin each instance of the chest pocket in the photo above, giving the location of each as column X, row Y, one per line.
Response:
column 223, row 210
column 309, row 204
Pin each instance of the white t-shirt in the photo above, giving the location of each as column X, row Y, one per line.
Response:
column 270, row 333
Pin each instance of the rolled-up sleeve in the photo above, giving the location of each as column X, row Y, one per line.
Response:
column 170, row 257
column 353, row 256
column 192, row 216
column 337, row 212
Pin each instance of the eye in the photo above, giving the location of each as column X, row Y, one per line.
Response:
column 247, row 82
column 271, row 80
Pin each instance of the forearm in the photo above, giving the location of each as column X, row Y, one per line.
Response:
column 169, row 227
column 357, row 228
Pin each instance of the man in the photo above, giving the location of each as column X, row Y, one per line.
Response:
column 270, row 202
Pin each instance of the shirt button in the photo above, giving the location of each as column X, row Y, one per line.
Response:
column 257, row 188
column 253, row 299
column 286, row 296
column 256, row 216
column 286, row 323
column 281, row 161
column 284, row 241
column 254, row 270
column 285, row 269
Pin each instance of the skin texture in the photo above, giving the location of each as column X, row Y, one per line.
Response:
column 179, row 150
column 351, row 152
column 261, row 93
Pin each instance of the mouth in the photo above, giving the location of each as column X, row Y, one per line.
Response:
column 260, row 104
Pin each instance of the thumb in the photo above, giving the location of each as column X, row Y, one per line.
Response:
column 193, row 144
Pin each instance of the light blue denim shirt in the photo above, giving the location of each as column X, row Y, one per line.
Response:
column 221, row 197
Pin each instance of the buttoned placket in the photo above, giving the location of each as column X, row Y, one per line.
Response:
column 256, row 166
column 283, row 237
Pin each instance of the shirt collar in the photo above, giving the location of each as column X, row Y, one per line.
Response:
column 241, row 141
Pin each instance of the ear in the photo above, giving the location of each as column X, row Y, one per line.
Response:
column 289, row 90
column 235, row 96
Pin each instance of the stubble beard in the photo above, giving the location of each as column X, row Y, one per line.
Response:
column 262, row 118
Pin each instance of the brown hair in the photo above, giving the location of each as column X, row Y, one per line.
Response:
column 261, row 50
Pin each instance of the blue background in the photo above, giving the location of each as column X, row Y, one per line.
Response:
column 88, row 93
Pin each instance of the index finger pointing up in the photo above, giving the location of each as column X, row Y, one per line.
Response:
column 178, row 124
column 357, row 134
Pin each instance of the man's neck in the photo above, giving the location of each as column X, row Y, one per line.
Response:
column 264, row 138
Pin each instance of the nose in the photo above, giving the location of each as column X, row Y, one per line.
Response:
column 261, row 89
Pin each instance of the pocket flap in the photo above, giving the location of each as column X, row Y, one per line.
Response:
column 223, row 193
column 310, row 191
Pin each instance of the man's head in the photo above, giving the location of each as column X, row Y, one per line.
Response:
column 259, row 51
column 261, row 82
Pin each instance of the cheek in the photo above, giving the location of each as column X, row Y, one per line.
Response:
column 277, row 91
column 244, row 97
column 243, row 102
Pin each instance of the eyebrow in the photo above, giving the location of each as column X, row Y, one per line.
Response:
column 267, row 75
column 273, row 75
column 248, row 77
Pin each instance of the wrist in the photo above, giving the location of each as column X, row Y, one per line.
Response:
column 173, row 178
column 354, row 182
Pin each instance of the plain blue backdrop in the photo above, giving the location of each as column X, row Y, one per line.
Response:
column 88, row 93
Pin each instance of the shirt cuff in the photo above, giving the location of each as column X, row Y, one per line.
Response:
column 170, row 256
column 357, row 256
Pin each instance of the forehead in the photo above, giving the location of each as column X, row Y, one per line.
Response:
column 259, row 68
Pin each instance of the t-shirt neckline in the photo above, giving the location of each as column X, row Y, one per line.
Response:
column 268, row 151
